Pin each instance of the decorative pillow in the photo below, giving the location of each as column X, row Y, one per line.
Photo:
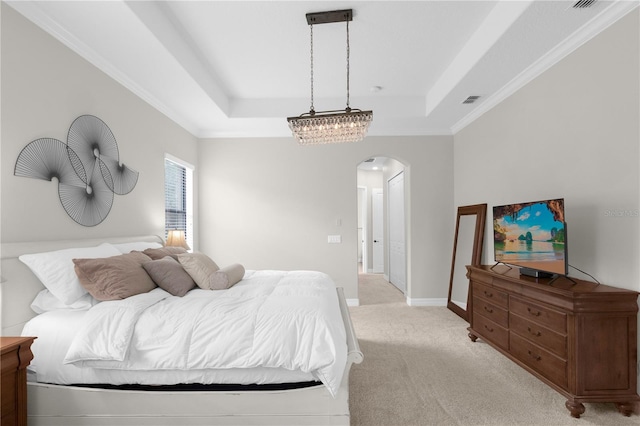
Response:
column 200, row 266
column 116, row 277
column 45, row 301
column 55, row 269
column 138, row 246
column 169, row 275
column 159, row 253
column 226, row 277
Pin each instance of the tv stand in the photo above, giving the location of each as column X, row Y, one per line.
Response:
column 579, row 338
column 535, row 273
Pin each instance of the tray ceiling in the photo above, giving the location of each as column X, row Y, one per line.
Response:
column 239, row 68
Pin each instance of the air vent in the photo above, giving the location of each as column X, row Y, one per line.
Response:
column 470, row 99
column 582, row 4
column 370, row 160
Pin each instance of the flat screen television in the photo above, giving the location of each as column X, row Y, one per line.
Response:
column 533, row 236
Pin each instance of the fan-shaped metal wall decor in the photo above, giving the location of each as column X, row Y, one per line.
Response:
column 87, row 167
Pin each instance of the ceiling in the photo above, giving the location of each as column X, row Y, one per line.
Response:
column 239, row 68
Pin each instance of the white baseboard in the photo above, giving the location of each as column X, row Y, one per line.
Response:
column 353, row 302
column 426, row 302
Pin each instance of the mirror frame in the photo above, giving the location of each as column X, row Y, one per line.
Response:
column 480, row 211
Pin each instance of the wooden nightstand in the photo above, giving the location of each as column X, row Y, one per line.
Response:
column 15, row 355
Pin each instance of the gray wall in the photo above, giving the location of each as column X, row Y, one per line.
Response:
column 573, row 132
column 45, row 86
column 269, row 203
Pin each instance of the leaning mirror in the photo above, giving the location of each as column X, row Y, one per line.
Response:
column 467, row 250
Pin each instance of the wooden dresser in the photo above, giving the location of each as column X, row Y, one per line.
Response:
column 579, row 338
column 15, row 355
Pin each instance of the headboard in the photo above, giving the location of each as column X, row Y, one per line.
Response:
column 19, row 286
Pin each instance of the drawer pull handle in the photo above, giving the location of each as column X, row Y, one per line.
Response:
column 489, row 329
column 535, row 314
column 537, row 334
column 534, row 356
column 488, row 294
column 488, row 310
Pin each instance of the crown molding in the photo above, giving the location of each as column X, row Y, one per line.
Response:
column 39, row 17
column 589, row 30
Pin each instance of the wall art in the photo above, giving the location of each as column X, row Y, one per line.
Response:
column 87, row 168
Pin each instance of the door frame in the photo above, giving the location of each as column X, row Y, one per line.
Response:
column 363, row 212
column 383, row 219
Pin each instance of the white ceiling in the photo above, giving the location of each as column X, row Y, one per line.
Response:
column 239, row 68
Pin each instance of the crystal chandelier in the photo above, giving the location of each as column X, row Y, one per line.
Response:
column 322, row 127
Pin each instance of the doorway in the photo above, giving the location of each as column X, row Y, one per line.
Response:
column 377, row 229
column 382, row 223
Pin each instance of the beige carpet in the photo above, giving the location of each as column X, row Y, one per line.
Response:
column 420, row 368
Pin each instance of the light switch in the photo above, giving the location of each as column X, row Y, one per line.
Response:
column 334, row 239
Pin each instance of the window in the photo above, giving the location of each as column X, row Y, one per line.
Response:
column 178, row 197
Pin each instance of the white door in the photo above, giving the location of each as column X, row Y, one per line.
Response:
column 377, row 217
column 397, row 251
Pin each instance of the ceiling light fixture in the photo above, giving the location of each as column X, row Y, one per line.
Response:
column 322, row 127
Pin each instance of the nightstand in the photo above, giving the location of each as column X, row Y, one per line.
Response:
column 15, row 355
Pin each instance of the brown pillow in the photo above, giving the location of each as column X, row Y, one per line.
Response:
column 116, row 277
column 200, row 267
column 169, row 275
column 226, row 277
column 159, row 253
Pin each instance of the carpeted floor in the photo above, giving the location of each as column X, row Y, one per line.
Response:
column 420, row 368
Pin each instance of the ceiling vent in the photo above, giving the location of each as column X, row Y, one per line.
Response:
column 370, row 160
column 582, row 4
column 470, row 99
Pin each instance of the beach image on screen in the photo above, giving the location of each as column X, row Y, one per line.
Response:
column 531, row 235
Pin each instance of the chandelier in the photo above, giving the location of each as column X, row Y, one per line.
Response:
column 322, row 127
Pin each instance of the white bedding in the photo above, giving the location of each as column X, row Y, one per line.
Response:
column 272, row 327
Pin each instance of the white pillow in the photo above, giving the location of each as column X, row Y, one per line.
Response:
column 55, row 269
column 125, row 248
column 45, row 301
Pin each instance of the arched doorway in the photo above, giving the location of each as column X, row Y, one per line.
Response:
column 382, row 224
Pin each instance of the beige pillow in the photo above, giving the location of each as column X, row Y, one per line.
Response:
column 226, row 277
column 169, row 275
column 159, row 253
column 116, row 277
column 200, row 267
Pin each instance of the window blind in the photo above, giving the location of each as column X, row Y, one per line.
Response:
column 175, row 197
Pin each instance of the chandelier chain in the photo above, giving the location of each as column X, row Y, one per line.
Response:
column 348, row 51
column 311, row 108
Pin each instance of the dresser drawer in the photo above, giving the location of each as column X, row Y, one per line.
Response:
column 550, row 318
column 499, row 298
column 541, row 360
column 542, row 336
column 8, row 386
column 489, row 330
column 489, row 310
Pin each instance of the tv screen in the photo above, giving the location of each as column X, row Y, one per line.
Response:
column 531, row 235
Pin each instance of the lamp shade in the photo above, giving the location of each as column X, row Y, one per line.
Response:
column 175, row 238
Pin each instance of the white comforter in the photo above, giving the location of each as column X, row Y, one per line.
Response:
column 274, row 319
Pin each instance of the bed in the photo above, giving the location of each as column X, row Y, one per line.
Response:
column 313, row 400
